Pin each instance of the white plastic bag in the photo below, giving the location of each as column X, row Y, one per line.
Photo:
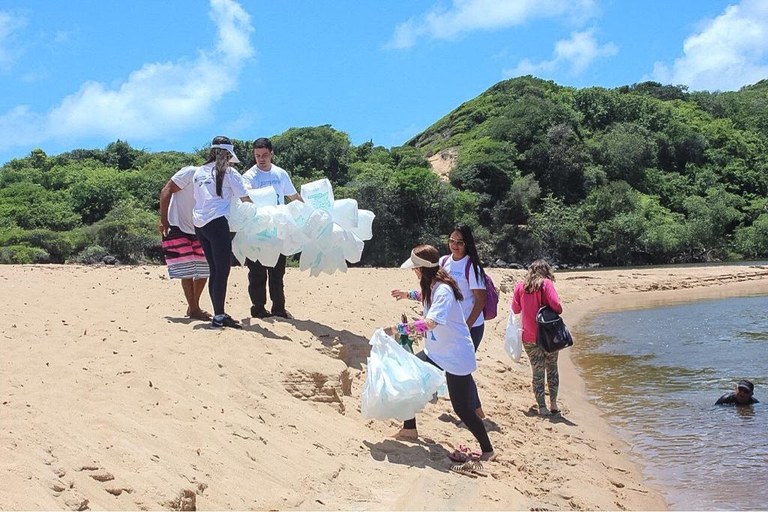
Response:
column 398, row 384
column 318, row 194
column 513, row 337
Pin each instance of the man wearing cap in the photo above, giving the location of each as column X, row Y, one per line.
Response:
column 266, row 174
column 742, row 395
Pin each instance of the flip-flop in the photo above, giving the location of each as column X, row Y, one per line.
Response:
column 476, row 467
column 463, row 454
column 457, row 456
column 464, row 469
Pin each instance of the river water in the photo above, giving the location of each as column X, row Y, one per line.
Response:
column 656, row 374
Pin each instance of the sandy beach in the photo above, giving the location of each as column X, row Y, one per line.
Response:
column 110, row 399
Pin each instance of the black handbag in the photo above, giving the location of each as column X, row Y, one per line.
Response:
column 553, row 335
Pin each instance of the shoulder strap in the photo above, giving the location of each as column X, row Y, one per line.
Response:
column 443, row 260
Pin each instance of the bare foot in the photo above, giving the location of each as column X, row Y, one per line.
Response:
column 407, row 434
column 479, row 412
column 488, row 456
column 199, row 315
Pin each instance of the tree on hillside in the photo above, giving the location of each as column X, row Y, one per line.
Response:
column 313, row 153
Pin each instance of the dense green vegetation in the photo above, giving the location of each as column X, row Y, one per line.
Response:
column 641, row 174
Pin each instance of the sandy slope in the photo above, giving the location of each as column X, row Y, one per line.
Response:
column 111, row 399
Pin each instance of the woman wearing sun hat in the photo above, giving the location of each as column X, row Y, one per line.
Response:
column 448, row 344
column 216, row 183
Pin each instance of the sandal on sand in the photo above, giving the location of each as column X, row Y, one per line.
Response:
column 463, row 454
column 465, row 469
column 476, row 467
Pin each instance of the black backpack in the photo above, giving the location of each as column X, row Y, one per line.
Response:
column 553, row 335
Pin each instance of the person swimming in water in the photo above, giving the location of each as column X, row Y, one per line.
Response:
column 742, row 395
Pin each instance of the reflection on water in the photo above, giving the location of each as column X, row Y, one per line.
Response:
column 656, row 374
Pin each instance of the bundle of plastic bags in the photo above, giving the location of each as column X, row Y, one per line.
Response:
column 398, row 384
column 327, row 232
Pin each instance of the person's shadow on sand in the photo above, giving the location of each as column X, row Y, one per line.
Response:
column 352, row 348
column 416, row 453
column 558, row 417
column 490, row 425
column 185, row 320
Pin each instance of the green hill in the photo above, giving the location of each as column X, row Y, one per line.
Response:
column 641, row 174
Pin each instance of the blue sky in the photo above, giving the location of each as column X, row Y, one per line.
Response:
column 171, row 74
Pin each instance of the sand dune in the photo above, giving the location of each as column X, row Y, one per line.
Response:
column 111, row 399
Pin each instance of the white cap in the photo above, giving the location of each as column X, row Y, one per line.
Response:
column 231, row 149
column 416, row 262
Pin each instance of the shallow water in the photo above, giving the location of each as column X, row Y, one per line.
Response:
column 656, row 373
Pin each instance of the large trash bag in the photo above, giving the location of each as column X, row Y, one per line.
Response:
column 397, row 384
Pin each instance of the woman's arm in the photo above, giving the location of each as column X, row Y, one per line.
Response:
column 515, row 305
column 551, row 298
column 402, row 294
column 480, row 297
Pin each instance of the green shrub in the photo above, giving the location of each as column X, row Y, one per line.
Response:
column 23, row 255
column 89, row 255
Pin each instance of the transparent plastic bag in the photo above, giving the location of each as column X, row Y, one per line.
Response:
column 397, row 384
column 513, row 337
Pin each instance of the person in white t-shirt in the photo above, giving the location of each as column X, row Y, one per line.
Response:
column 215, row 184
column 463, row 265
column 181, row 249
column 448, row 344
column 267, row 174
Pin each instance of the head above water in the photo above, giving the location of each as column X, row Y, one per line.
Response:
column 744, row 391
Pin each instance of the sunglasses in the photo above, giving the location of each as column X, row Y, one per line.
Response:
column 454, row 241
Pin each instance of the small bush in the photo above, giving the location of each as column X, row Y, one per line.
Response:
column 90, row 255
column 23, row 255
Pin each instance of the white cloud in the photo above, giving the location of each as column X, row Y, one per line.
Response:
column 157, row 99
column 471, row 15
column 9, row 25
column 728, row 53
column 576, row 54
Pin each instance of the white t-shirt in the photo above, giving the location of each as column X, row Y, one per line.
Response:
column 183, row 202
column 276, row 177
column 449, row 343
column 457, row 270
column 208, row 205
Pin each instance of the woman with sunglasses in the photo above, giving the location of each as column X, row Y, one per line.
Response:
column 463, row 265
column 448, row 344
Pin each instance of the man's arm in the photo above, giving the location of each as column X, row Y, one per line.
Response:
column 168, row 190
column 295, row 197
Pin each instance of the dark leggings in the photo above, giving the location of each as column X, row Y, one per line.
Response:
column 217, row 245
column 460, row 391
column 477, row 336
